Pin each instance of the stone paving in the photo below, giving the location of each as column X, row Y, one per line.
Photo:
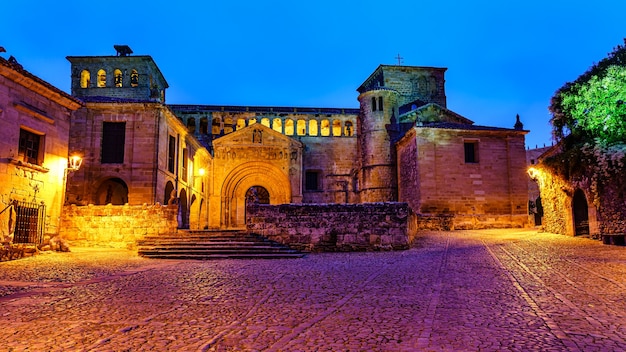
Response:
column 488, row 290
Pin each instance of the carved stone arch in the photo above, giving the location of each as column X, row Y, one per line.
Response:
column 241, row 179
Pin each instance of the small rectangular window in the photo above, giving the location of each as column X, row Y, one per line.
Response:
column 30, row 148
column 171, row 154
column 113, row 141
column 184, row 166
column 312, row 181
column 471, row 152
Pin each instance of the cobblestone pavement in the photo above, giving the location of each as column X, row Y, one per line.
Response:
column 490, row 290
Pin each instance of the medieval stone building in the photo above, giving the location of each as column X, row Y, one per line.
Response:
column 33, row 153
column 402, row 144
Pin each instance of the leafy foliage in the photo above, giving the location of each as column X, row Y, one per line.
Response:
column 593, row 108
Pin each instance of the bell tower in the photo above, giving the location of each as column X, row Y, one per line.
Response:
column 122, row 77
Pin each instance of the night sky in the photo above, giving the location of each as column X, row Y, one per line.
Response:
column 503, row 58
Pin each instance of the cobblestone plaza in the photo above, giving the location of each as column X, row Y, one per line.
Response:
column 483, row 290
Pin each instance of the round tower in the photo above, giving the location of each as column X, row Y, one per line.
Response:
column 377, row 171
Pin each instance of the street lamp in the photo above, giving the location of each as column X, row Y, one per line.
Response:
column 74, row 163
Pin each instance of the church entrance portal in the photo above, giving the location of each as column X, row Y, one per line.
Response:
column 581, row 213
column 271, row 185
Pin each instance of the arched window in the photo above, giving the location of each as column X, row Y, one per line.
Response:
column 380, row 103
column 216, row 126
column 85, row 79
column 289, row 127
column 191, row 125
column 373, row 103
column 325, row 128
column 251, row 121
column 336, row 128
column 277, row 125
column 134, row 78
column 117, row 74
column 265, row 122
column 102, row 78
column 301, row 128
column 241, row 123
column 313, row 128
column 204, row 125
column 348, row 129
column 228, row 125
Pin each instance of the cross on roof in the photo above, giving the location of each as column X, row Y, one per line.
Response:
column 399, row 58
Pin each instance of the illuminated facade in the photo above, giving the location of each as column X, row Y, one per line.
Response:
column 34, row 153
column 401, row 144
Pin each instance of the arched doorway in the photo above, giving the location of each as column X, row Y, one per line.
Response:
column 265, row 179
column 581, row 213
column 112, row 191
column 183, row 210
column 170, row 194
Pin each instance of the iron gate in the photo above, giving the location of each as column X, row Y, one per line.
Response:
column 29, row 220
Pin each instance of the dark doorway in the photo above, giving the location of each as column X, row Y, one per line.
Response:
column 581, row 213
column 257, row 195
column 112, row 191
column 184, row 210
column 170, row 194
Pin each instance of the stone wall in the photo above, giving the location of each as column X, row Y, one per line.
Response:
column 333, row 227
column 116, row 226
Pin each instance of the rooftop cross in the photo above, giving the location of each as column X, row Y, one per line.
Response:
column 399, row 58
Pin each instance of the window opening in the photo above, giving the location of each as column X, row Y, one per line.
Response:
column 471, row 152
column 217, row 126
column 113, row 139
column 373, row 103
column 348, row 129
column 301, row 128
column 185, row 162
column 191, row 125
column 265, row 122
column 241, row 123
column 312, row 181
column 117, row 75
column 336, row 128
column 134, row 78
column 171, row 154
column 30, row 147
column 102, row 79
column 313, row 131
column 85, row 79
column 325, row 128
column 380, row 103
column 204, row 125
column 277, row 125
column 289, row 127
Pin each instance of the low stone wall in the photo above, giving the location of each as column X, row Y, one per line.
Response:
column 116, row 226
column 333, row 227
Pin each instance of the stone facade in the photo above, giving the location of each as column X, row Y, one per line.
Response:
column 333, row 227
column 483, row 187
column 117, row 226
column 210, row 161
column 33, row 147
column 136, row 150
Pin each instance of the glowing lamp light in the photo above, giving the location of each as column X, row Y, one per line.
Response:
column 201, row 172
column 532, row 172
column 74, row 163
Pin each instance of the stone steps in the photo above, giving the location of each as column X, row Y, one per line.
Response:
column 206, row 245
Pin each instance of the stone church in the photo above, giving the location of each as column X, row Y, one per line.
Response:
column 401, row 145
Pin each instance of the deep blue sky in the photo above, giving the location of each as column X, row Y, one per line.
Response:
column 503, row 58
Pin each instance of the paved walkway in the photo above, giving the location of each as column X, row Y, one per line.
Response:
column 492, row 290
